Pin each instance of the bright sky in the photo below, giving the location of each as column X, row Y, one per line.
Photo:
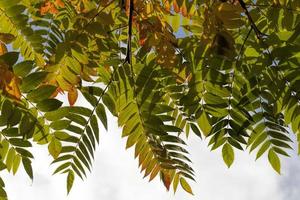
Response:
column 115, row 176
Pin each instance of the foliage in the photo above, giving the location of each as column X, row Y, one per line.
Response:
column 226, row 70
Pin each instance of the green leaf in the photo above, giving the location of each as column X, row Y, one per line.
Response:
column 228, row 154
column 32, row 81
column 42, row 93
column 251, row 52
column 95, row 127
column 204, row 124
column 10, row 58
column 90, row 98
column 70, row 181
column 263, row 149
column 60, row 125
column 4, row 146
column 2, row 166
column 57, row 114
column 48, row 105
column 27, row 166
column 24, row 152
column 62, row 167
column 19, row 142
column 81, row 57
column 23, row 68
column 100, row 111
column 274, row 160
column 81, row 110
column 196, row 130
column 77, row 119
column 3, row 195
column 26, row 126
column 6, row 111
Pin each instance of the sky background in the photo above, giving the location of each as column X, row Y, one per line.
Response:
column 115, row 176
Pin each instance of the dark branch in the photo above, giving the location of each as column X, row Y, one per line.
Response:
column 258, row 33
column 128, row 51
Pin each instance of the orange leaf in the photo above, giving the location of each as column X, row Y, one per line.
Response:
column 59, row 3
column 72, row 96
column 176, row 7
column 167, row 6
column 45, row 8
column 9, row 83
column 142, row 41
column 53, row 9
column 48, row 7
column 3, row 48
column 55, row 93
column 184, row 10
column 166, row 178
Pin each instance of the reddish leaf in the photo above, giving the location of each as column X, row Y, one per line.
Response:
column 72, row 96
column 59, row 3
column 166, row 178
column 176, row 7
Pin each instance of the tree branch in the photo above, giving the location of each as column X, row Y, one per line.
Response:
column 258, row 33
column 128, row 51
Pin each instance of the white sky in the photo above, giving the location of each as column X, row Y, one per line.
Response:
column 115, row 176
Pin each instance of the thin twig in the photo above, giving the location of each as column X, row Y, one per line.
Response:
column 243, row 45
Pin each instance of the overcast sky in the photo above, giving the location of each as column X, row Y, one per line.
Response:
column 115, row 176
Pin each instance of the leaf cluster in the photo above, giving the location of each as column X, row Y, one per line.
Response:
column 227, row 71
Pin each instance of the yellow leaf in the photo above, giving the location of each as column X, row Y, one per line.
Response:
column 63, row 84
column 154, row 172
column 12, row 88
column 175, row 182
column 185, row 185
column 167, row 6
column 54, row 147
